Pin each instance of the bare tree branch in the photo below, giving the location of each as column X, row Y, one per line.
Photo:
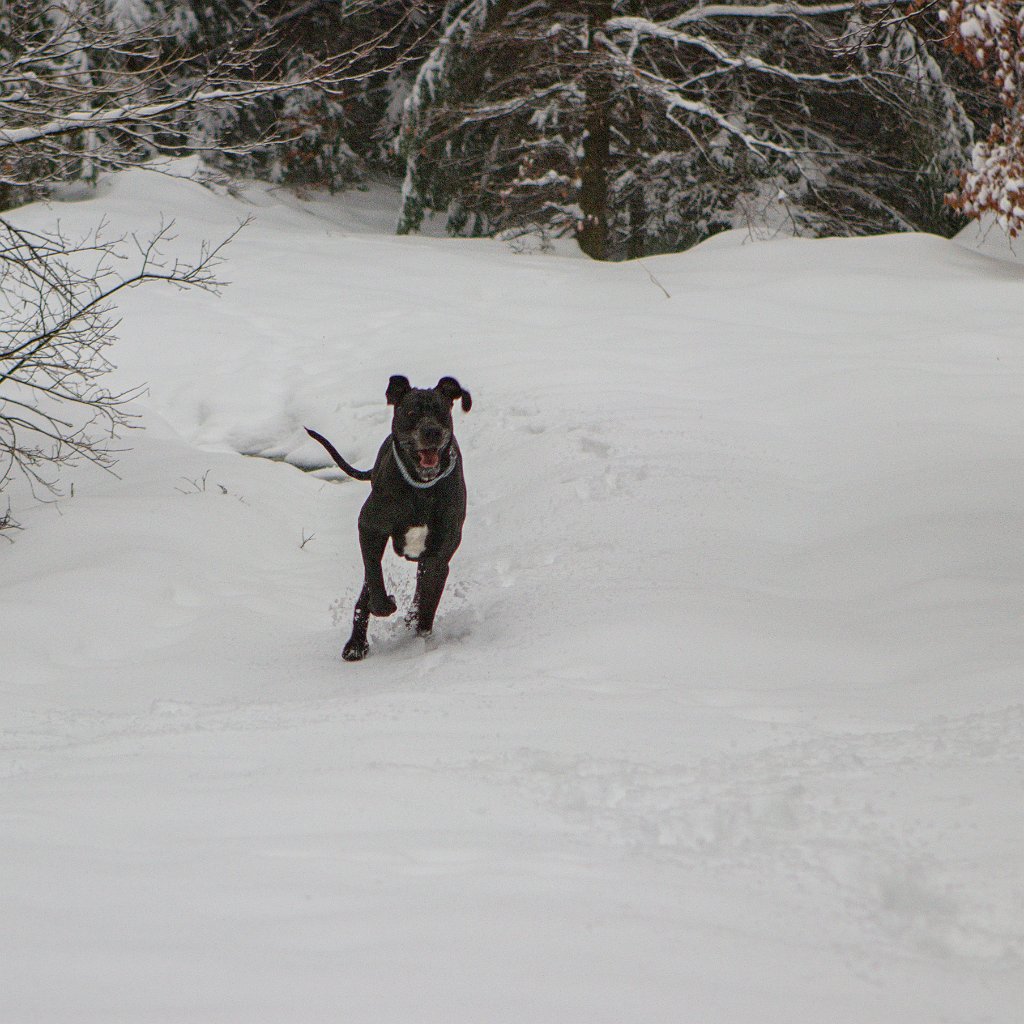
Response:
column 56, row 324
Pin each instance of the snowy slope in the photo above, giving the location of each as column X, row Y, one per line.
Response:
column 722, row 719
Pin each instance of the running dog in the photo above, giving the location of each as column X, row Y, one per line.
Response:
column 417, row 499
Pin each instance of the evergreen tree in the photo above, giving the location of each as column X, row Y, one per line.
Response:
column 643, row 127
column 92, row 84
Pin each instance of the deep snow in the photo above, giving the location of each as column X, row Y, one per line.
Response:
column 722, row 721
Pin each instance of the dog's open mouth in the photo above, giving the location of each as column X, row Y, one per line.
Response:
column 429, row 458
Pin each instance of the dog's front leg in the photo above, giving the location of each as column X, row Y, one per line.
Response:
column 373, row 598
column 374, row 533
column 356, row 648
column 431, row 574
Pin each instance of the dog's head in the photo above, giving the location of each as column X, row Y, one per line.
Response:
column 422, row 423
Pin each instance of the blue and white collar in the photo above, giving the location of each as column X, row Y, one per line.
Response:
column 453, row 459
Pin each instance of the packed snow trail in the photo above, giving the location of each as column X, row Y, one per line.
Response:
column 721, row 722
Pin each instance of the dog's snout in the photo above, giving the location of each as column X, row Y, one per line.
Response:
column 432, row 434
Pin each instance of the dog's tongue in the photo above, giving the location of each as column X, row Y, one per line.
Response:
column 429, row 457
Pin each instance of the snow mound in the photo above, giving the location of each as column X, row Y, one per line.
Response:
column 986, row 236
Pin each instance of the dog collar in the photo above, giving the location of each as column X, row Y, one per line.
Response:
column 410, row 479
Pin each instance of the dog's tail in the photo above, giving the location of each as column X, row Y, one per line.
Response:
column 357, row 474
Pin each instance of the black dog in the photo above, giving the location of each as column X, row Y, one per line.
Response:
column 417, row 498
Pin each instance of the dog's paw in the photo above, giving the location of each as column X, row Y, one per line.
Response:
column 384, row 605
column 355, row 650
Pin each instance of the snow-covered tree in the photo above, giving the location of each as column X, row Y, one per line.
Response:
column 990, row 35
column 316, row 135
column 640, row 127
column 88, row 84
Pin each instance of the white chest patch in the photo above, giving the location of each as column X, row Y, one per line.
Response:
column 415, row 541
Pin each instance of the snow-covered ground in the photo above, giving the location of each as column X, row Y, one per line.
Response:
column 722, row 722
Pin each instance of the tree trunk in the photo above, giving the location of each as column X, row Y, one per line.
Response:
column 637, row 243
column 637, row 215
column 593, row 230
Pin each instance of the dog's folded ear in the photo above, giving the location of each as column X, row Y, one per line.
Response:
column 397, row 387
column 452, row 389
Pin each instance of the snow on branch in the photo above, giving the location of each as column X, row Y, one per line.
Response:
column 637, row 27
column 504, row 108
column 89, row 86
column 115, row 117
column 427, row 87
column 432, row 74
column 710, row 12
column 671, row 100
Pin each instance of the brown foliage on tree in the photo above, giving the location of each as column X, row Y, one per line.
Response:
column 990, row 35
